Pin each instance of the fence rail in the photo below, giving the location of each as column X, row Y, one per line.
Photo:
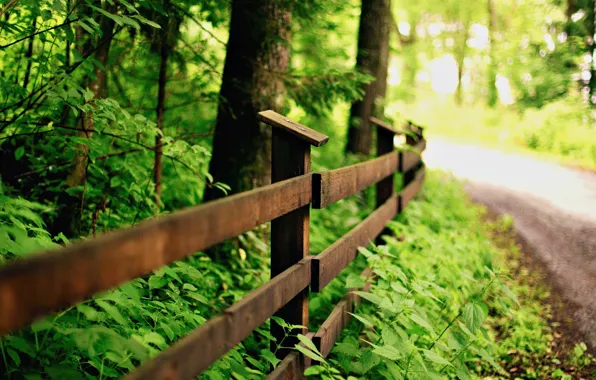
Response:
column 44, row 283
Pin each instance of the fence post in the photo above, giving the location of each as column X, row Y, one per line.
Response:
column 385, row 187
column 413, row 135
column 290, row 157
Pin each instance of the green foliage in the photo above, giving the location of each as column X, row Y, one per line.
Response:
column 561, row 130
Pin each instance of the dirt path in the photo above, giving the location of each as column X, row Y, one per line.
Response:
column 554, row 209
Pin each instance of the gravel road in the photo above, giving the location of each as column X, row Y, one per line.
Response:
column 553, row 207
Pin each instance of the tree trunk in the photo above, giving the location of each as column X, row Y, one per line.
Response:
column 160, row 110
column 591, row 49
column 28, row 57
column 373, row 45
column 71, row 206
column 461, row 57
column 493, row 95
column 256, row 58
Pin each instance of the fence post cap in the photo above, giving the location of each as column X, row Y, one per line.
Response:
column 382, row 124
column 274, row 119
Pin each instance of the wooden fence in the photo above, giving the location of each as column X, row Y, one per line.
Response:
column 47, row 282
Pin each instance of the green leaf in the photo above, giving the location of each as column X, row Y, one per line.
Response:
column 308, row 343
column 19, row 152
column 22, row 345
column 309, row 353
column 130, row 290
column 354, row 281
column 90, row 313
column 146, row 21
column 314, row 370
column 60, row 372
column 421, row 321
column 112, row 312
column 388, row 352
column 373, row 298
column 14, row 356
column 473, row 316
column 157, row 282
column 364, row 321
column 436, row 358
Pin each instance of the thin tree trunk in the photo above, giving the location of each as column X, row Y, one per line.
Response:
column 461, row 57
column 28, row 56
column 161, row 100
column 71, row 206
column 373, row 40
column 591, row 49
column 257, row 56
column 493, row 94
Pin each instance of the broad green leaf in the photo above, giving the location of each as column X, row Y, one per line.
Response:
column 364, row 321
column 308, row 343
column 388, row 352
column 354, row 281
column 113, row 312
column 436, row 358
column 473, row 316
column 90, row 313
column 19, row 152
column 309, row 353
column 314, row 370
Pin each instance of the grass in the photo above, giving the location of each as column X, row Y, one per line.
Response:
column 561, row 131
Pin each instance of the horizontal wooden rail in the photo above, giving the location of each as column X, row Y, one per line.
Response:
column 197, row 351
column 35, row 286
column 328, row 264
column 46, row 282
column 411, row 158
column 294, row 364
column 408, row 193
column 388, row 127
column 333, row 185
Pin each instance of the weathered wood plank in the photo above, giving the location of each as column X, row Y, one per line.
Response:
column 290, row 157
column 311, row 136
column 196, row 352
column 328, row 264
column 386, row 126
column 385, row 187
column 333, row 185
column 411, row 158
column 46, row 282
column 331, row 329
column 339, row 318
column 292, row 367
column 408, row 193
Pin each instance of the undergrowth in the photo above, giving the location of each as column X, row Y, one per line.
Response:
column 561, row 131
column 448, row 302
column 442, row 305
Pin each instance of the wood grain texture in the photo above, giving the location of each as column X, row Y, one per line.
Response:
column 293, row 365
column 385, row 187
column 408, row 193
column 333, row 185
column 331, row 329
column 328, row 264
column 339, row 318
column 289, row 233
column 194, row 354
column 311, row 136
column 46, row 282
column 291, row 368
column 411, row 158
